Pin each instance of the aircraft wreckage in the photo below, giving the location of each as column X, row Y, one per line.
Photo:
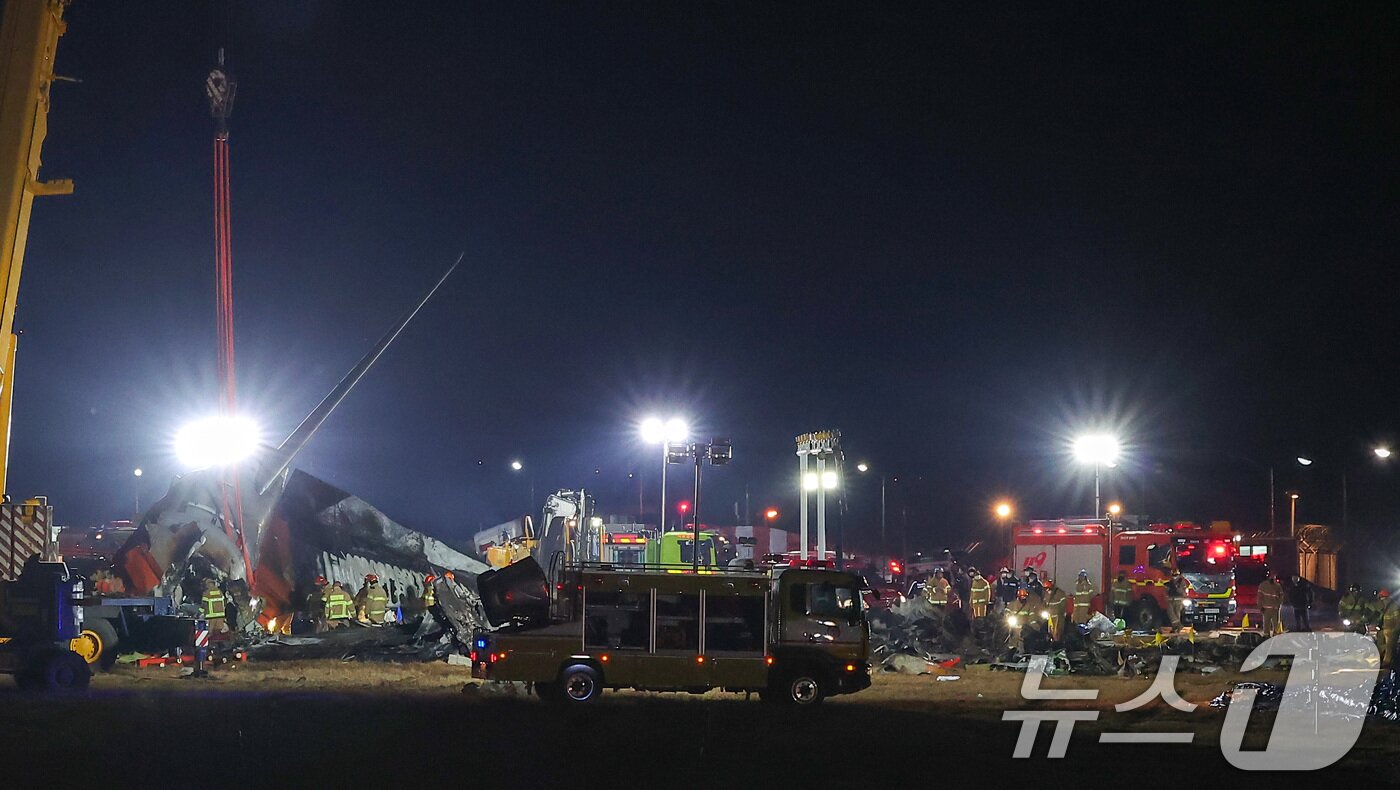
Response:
column 269, row 530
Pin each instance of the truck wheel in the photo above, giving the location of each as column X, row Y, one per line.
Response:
column 580, row 684
column 97, row 644
column 802, row 687
column 58, row 670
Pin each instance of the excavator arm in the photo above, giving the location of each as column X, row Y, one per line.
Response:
column 29, row 32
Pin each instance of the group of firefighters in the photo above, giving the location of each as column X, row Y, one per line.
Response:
column 1031, row 599
column 1360, row 612
column 329, row 605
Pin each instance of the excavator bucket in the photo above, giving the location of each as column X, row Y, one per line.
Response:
column 517, row 593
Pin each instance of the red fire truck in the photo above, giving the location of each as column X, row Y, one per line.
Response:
column 1148, row 555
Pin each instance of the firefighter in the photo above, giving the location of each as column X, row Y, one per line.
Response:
column 1390, row 624
column 1055, row 605
column 1122, row 595
column 1031, row 581
column 372, row 602
column 429, row 594
column 339, row 606
column 211, row 607
column 936, row 591
column 1352, row 609
column 1027, row 614
column 1270, row 601
column 316, row 603
column 1176, row 599
column 1300, row 596
column 979, row 595
column 1006, row 589
column 1083, row 597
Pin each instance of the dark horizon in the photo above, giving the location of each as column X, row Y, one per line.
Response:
column 959, row 235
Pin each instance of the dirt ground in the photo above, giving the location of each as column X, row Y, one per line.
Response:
column 295, row 723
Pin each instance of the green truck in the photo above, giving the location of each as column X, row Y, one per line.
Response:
column 793, row 635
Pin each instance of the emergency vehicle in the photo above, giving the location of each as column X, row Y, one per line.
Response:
column 794, row 633
column 1147, row 555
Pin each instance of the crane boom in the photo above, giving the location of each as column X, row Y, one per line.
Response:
column 29, row 32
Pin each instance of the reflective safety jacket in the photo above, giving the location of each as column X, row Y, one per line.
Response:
column 1352, row 607
column 1390, row 617
column 338, row 604
column 211, row 606
column 1083, row 593
column 937, row 592
column 1055, row 601
column 429, row 597
column 981, row 591
column 1122, row 592
column 375, row 601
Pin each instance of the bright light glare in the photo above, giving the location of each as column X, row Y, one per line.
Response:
column 1305, row 461
column 516, row 465
column 1293, row 495
column 1003, row 510
column 677, row 430
column 1382, row 452
column 1115, row 508
column 829, row 480
column 1096, row 449
column 137, row 471
column 216, row 441
column 772, row 513
column 653, row 430
column 862, row 467
column 810, row 481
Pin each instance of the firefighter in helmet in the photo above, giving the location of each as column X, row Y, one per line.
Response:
column 372, row 601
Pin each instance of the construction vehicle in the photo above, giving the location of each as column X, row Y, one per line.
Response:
column 630, row 544
column 1147, row 555
column 505, row 543
column 791, row 634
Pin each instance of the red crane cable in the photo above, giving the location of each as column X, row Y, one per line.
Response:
column 228, row 402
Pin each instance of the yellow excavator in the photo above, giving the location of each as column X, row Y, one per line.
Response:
column 29, row 33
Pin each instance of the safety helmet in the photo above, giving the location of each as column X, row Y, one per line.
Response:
column 370, row 577
column 1083, row 572
column 430, row 579
column 1047, row 581
column 449, row 576
column 1356, row 588
column 1004, row 569
column 321, row 581
column 975, row 572
column 1385, row 593
column 1176, row 573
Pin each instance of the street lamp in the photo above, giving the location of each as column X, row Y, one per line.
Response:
column 863, row 468
column 1382, row 452
column 654, row 430
column 718, row 453
column 1292, row 514
column 1003, row 511
column 1114, row 509
column 1303, row 460
column 771, row 514
column 136, row 473
column 1100, row 450
column 516, row 465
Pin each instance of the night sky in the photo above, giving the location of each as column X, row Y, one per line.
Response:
column 961, row 234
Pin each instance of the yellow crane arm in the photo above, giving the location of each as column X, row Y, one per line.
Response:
column 29, row 31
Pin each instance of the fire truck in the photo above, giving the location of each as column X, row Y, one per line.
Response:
column 1147, row 555
column 794, row 634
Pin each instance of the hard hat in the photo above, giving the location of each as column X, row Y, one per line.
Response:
column 370, row 577
column 1022, row 593
column 1385, row 593
column 321, row 581
column 430, row 579
column 449, row 576
column 1004, row 570
column 1356, row 588
column 1047, row 581
column 1083, row 572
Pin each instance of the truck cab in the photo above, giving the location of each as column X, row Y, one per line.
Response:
column 791, row 634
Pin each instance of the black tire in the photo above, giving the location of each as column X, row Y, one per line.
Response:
column 108, row 634
column 580, row 684
column 802, row 686
column 58, row 671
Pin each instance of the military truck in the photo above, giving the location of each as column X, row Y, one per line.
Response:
column 793, row 634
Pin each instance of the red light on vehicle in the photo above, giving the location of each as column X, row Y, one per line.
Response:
column 768, row 661
column 699, row 659
column 850, row 667
column 895, row 566
column 1088, row 530
column 473, row 655
column 1037, row 530
column 604, row 659
column 1220, row 550
column 683, row 507
column 771, row 514
column 1062, row 530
